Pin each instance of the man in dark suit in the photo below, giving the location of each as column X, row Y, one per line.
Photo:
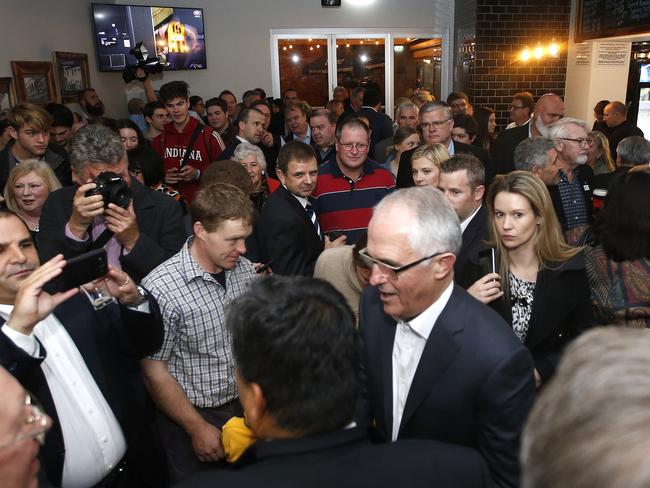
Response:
column 381, row 125
column 288, row 229
column 251, row 128
column 437, row 363
column 82, row 365
column 306, row 436
column 548, row 109
column 137, row 238
column 437, row 124
column 462, row 180
column 618, row 127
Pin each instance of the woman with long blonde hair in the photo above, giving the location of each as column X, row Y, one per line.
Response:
column 540, row 285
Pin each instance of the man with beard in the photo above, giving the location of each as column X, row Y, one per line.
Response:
column 548, row 109
column 572, row 195
column 91, row 105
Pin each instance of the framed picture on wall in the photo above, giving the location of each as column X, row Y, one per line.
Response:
column 72, row 74
column 34, row 81
column 7, row 94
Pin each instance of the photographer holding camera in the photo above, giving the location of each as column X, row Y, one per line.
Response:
column 139, row 227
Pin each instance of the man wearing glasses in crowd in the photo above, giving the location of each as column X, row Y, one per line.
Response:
column 437, row 364
column 572, row 195
column 436, row 124
column 351, row 185
column 521, row 109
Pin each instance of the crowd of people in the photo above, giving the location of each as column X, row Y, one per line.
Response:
column 294, row 295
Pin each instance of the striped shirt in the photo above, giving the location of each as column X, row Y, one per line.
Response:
column 346, row 205
column 197, row 344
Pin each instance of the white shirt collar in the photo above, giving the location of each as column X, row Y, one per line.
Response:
column 465, row 223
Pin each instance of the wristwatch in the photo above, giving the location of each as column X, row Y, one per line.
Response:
column 144, row 294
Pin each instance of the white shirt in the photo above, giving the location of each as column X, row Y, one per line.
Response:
column 450, row 148
column 94, row 442
column 410, row 340
column 465, row 223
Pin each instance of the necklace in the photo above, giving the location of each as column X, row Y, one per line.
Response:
column 30, row 223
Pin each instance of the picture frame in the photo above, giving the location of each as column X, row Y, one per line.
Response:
column 34, row 81
column 7, row 93
column 72, row 74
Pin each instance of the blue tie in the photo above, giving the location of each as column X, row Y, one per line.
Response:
column 314, row 221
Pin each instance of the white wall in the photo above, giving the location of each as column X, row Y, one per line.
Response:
column 237, row 34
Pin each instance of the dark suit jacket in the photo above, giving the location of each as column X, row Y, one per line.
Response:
column 585, row 176
column 347, row 459
column 466, row 268
column 111, row 341
column 56, row 156
column 620, row 132
column 230, row 149
column 604, row 180
column 287, row 236
column 473, row 386
column 561, row 311
column 380, row 124
column 160, row 222
column 503, row 149
column 405, row 174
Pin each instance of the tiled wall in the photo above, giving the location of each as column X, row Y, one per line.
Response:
column 503, row 29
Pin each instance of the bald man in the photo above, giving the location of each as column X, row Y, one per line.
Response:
column 615, row 116
column 548, row 109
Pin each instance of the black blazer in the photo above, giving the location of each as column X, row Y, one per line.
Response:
column 160, row 222
column 405, row 170
column 286, row 235
column 466, row 268
column 381, row 126
column 585, row 176
column 111, row 342
column 503, row 149
column 473, row 386
column 347, row 459
column 230, row 149
column 561, row 311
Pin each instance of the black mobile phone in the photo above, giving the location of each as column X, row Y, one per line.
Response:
column 487, row 261
column 83, row 269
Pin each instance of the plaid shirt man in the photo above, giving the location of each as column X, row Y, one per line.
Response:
column 197, row 345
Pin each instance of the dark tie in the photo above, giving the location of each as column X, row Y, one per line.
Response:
column 314, row 221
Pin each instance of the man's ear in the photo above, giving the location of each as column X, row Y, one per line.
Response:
column 13, row 132
column 199, row 230
column 445, row 265
column 280, row 175
column 479, row 191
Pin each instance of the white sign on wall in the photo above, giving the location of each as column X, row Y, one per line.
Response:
column 612, row 53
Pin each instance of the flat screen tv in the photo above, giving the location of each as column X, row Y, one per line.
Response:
column 176, row 33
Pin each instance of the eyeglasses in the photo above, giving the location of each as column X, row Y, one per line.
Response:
column 583, row 141
column 35, row 424
column 515, row 107
column 435, row 123
column 390, row 268
column 349, row 145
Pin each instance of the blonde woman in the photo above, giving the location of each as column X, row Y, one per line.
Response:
column 599, row 156
column 540, row 287
column 404, row 139
column 27, row 188
column 425, row 163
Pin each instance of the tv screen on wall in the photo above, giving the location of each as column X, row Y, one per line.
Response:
column 177, row 34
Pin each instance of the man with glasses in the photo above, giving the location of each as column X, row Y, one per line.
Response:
column 437, row 364
column 352, row 184
column 437, row 123
column 82, row 364
column 572, row 195
column 22, row 431
column 521, row 109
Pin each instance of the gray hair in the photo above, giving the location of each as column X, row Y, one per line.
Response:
column 437, row 228
column 590, row 427
column 407, row 106
column 532, row 152
column 95, row 144
column 246, row 149
column 437, row 105
column 633, row 150
column 558, row 129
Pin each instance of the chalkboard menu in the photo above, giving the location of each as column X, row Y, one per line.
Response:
column 608, row 18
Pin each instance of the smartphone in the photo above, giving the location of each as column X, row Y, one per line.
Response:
column 487, row 261
column 83, row 269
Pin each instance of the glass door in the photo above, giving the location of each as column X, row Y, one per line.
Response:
column 303, row 67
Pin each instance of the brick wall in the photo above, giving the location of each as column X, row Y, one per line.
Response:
column 503, row 29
